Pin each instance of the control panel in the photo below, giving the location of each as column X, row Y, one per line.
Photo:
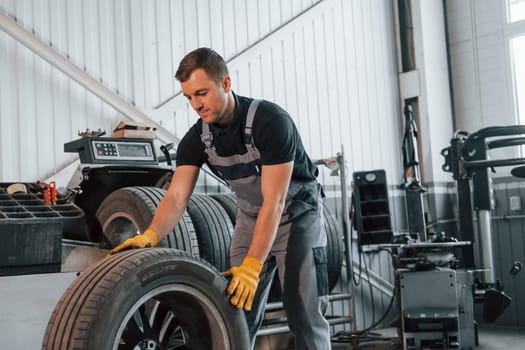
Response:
column 106, row 150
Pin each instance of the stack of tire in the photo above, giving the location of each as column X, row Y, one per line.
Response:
column 206, row 227
column 162, row 298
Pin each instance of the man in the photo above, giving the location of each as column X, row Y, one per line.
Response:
column 255, row 147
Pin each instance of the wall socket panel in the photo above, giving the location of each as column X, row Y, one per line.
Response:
column 515, row 203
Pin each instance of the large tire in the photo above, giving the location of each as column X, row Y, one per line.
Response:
column 228, row 202
column 334, row 247
column 214, row 229
column 156, row 298
column 128, row 211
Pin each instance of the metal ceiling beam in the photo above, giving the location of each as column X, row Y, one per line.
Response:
column 30, row 41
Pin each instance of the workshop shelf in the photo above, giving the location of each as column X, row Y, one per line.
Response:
column 31, row 230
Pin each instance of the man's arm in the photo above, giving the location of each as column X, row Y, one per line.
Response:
column 275, row 180
column 171, row 207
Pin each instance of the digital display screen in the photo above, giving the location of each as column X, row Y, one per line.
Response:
column 123, row 151
column 132, row 150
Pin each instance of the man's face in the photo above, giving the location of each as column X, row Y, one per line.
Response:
column 208, row 97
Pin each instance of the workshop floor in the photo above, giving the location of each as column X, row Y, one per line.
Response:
column 490, row 338
column 26, row 303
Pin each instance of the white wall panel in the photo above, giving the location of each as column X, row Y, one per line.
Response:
column 328, row 69
column 479, row 64
column 132, row 47
column 330, row 63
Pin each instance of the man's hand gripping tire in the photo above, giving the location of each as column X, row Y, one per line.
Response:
column 148, row 239
column 244, row 281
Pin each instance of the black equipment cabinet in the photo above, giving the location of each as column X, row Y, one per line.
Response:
column 371, row 206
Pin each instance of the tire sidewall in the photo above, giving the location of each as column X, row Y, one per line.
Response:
column 135, row 211
column 162, row 272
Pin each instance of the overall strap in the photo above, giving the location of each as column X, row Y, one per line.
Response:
column 207, row 137
column 250, row 116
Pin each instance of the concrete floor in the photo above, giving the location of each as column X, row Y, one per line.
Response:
column 490, row 338
column 26, row 303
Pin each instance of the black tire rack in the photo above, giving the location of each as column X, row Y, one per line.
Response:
column 31, row 231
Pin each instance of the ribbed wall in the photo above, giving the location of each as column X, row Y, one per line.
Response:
column 330, row 63
column 479, row 62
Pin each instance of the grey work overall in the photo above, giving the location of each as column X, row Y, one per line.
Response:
column 299, row 250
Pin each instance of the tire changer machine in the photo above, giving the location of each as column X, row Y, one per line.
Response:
column 439, row 277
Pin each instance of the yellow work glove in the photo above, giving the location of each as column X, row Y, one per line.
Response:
column 148, row 239
column 243, row 284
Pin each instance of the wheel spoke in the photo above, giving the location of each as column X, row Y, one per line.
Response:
column 177, row 339
column 137, row 329
column 153, row 307
column 155, row 321
column 166, row 327
column 147, row 309
column 130, row 336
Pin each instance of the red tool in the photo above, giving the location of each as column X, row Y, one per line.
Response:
column 50, row 193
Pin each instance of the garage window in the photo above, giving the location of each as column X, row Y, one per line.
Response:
column 515, row 33
column 517, row 48
column 516, row 10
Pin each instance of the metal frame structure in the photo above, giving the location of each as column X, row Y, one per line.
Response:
column 80, row 76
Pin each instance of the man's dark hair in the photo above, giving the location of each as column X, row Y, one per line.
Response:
column 205, row 58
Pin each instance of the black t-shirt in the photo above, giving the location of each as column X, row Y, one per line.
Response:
column 274, row 135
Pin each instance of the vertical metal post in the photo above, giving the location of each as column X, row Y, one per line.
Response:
column 412, row 182
column 485, row 245
column 415, row 214
column 347, row 235
column 483, row 199
column 466, row 224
